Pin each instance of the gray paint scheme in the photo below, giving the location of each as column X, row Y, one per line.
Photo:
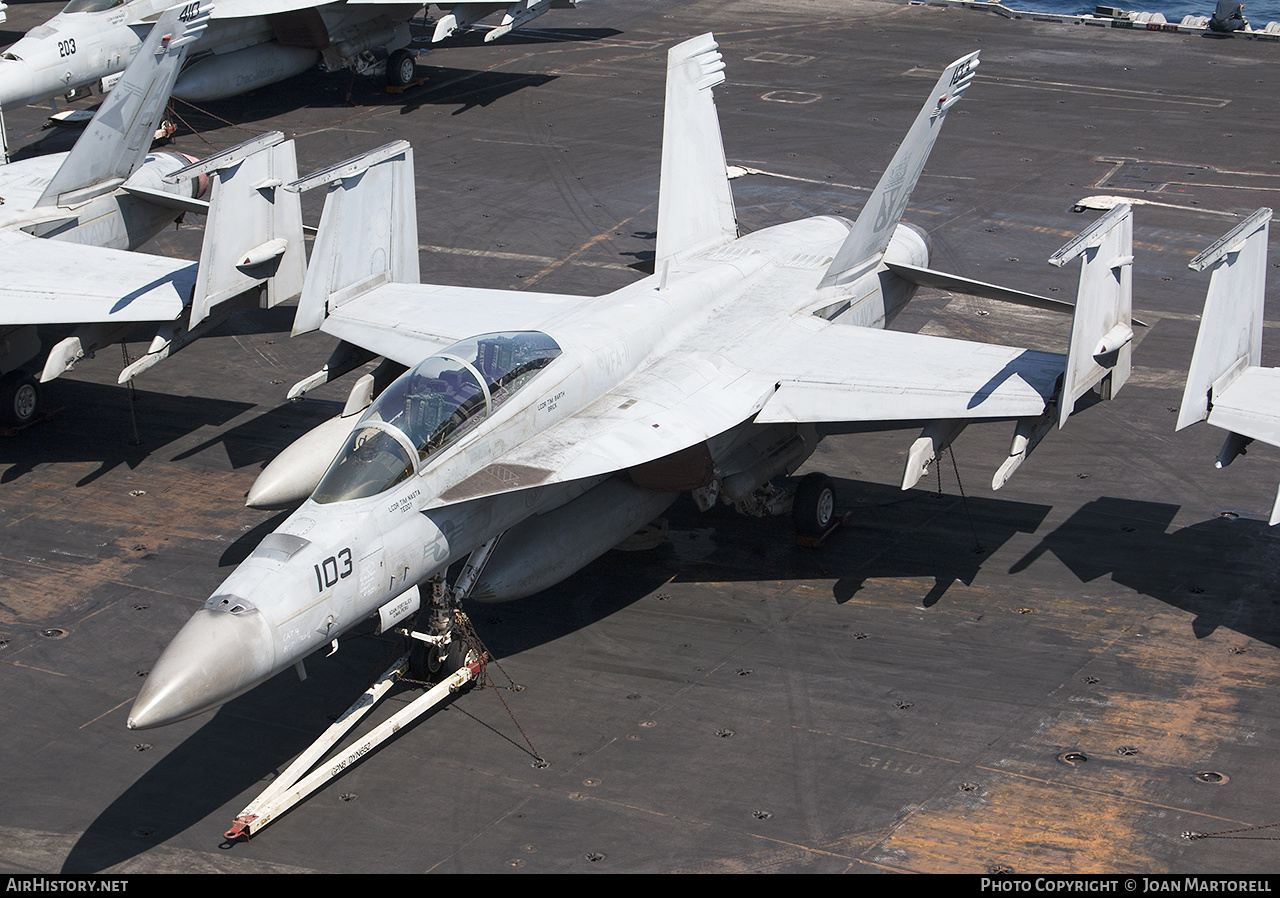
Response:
column 688, row 360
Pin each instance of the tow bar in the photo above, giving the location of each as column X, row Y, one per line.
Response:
column 295, row 784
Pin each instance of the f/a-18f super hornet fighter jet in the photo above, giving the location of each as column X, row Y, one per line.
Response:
column 1226, row 383
column 532, row 432
column 69, row 223
column 249, row 43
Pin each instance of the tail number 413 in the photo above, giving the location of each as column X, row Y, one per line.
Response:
column 333, row 569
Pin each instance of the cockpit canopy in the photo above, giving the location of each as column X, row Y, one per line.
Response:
column 431, row 406
column 91, row 5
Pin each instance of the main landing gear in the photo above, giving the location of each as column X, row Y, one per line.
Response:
column 402, row 69
column 813, row 509
column 19, row 399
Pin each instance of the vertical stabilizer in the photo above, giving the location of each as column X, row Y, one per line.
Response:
column 1102, row 325
column 254, row 233
column 368, row 233
column 871, row 233
column 695, row 204
column 119, row 137
column 1230, row 337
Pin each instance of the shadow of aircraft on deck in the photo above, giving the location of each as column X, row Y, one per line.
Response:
column 1223, row 570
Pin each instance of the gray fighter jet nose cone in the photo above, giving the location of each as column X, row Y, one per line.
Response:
column 216, row 656
column 17, row 82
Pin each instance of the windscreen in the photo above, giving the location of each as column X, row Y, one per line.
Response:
column 91, row 5
column 431, row 406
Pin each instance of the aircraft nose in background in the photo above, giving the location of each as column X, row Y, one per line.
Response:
column 17, row 83
column 216, row 656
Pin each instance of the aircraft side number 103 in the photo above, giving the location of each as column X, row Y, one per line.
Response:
column 333, row 569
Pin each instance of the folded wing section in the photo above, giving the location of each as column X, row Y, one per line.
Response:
column 1226, row 384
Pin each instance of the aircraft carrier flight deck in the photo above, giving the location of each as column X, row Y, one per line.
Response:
column 1063, row 676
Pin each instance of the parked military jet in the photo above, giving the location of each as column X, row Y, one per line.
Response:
column 69, row 223
column 532, row 432
column 248, row 44
column 1226, row 384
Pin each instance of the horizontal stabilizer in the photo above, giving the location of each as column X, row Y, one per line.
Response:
column 939, row 280
column 866, row 243
column 168, row 200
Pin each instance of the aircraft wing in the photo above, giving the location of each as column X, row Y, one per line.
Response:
column 808, row 371
column 409, row 323
column 1248, row 405
column 833, row 373
column 239, row 9
column 55, row 282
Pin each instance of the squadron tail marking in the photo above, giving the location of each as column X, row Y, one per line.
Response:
column 120, row 135
column 871, row 233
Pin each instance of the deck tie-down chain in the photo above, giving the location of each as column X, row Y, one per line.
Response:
column 1231, row 833
column 463, row 627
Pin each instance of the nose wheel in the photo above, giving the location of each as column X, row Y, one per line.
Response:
column 441, row 641
column 432, row 662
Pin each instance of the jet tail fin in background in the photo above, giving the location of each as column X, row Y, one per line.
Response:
column 695, row 204
column 871, row 233
column 1226, row 384
column 119, row 137
column 368, row 234
column 252, row 239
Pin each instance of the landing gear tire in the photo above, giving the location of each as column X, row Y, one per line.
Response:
column 19, row 399
column 429, row 664
column 402, row 68
column 814, row 508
